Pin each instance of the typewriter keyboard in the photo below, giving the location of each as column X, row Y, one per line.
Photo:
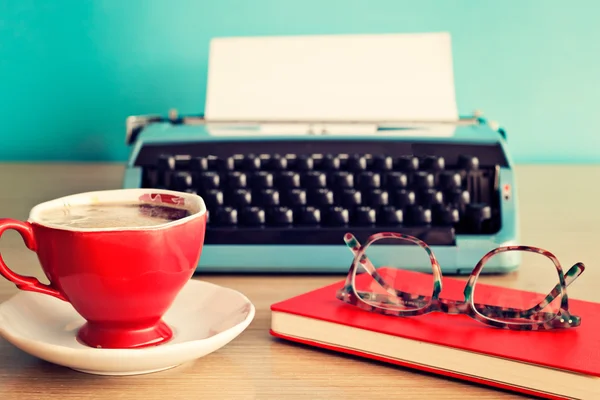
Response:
column 312, row 197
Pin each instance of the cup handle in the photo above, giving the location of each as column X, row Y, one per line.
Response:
column 28, row 283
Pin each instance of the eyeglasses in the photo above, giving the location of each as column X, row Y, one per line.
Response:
column 387, row 291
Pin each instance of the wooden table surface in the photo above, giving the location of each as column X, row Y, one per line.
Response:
column 559, row 208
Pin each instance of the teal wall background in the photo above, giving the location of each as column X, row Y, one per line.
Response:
column 72, row 70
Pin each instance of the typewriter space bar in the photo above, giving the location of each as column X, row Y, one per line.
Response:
column 433, row 236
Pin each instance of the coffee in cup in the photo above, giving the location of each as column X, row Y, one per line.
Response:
column 112, row 215
column 119, row 257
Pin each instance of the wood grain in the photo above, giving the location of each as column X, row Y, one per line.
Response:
column 559, row 211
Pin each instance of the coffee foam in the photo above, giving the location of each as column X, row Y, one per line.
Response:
column 112, row 215
column 73, row 205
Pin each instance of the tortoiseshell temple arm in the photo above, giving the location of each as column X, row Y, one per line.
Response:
column 405, row 299
column 570, row 277
column 534, row 313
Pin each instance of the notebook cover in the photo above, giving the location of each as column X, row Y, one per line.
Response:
column 576, row 350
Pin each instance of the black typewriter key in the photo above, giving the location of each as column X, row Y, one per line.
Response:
column 232, row 163
column 382, row 163
column 261, row 179
column 216, row 164
column 240, row 198
column 149, row 177
column 337, row 216
column 314, row 179
column 224, row 216
column 251, row 163
column 430, row 197
column 208, row 180
column 402, row 198
column 475, row 216
column 266, row 197
column 417, row 215
column 450, row 180
column 407, row 163
column 320, row 197
column 364, row 216
column 164, row 166
column 390, row 216
column 291, row 161
column 273, row 162
column 181, row 181
column 303, row 163
column 288, row 179
column 199, row 164
column 445, row 216
column 182, row 162
column 433, row 163
column 329, row 163
column 459, row 198
column 396, row 180
column 165, row 162
column 307, row 216
column 376, row 198
column 350, row 198
column 343, row 179
column 213, row 198
column 369, row 180
column 467, row 162
column 278, row 163
column 356, row 163
column 237, row 179
column 295, row 197
column 317, row 161
column 252, row 216
column 423, row 179
column 279, row 216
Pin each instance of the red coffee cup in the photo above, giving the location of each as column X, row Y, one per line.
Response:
column 120, row 280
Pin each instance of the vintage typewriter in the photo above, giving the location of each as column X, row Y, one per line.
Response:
column 283, row 189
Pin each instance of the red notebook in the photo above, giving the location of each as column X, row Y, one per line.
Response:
column 560, row 364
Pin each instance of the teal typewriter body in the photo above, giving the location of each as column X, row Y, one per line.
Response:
column 282, row 203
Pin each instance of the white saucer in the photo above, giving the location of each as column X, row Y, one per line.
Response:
column 204, row 318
